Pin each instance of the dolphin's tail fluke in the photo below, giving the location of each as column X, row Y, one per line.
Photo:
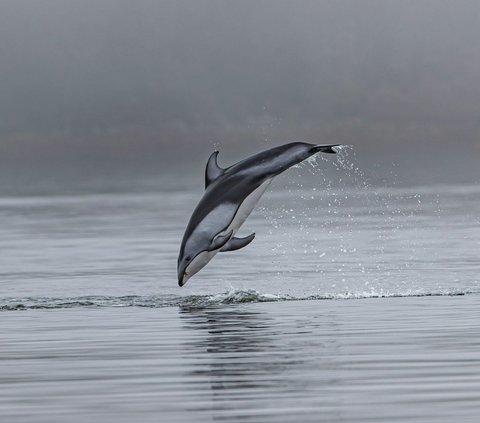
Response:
column 325, row 148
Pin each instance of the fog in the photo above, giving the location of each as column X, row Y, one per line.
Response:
column 117, row 78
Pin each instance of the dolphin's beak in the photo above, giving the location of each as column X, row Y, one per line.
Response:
column 183, row 279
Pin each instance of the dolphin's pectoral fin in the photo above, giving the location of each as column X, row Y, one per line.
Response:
column 237, row 243
column 220, row 240
column 213, row 170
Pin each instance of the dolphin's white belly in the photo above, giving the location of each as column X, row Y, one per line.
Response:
column 248, row 204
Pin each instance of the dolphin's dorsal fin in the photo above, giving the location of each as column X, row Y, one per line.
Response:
column 213, row 170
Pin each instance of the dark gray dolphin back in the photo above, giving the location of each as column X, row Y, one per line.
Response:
column 270, row 163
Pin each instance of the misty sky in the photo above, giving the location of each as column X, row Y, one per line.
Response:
column 146, row 74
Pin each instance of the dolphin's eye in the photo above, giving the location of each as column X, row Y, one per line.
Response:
column 188, row 258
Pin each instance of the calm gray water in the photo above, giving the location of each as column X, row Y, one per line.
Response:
column 355, row 302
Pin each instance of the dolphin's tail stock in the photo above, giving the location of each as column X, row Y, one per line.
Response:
column 325, row 148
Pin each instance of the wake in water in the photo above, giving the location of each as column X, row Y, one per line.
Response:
column 229, row 297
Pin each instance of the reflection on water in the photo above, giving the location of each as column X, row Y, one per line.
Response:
column 229, row 330
column 232, row 339
column 251, row 361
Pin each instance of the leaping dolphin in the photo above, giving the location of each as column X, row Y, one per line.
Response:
column 229, row 198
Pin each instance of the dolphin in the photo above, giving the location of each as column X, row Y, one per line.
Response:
column 229, row 198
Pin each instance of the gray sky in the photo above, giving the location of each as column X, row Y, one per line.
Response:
column 118, row 77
